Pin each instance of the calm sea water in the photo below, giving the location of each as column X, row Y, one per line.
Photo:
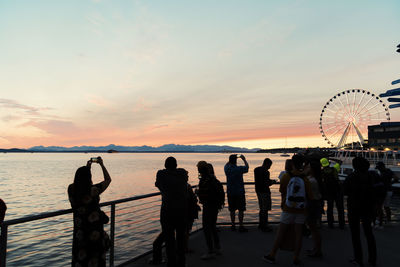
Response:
column 32, row 183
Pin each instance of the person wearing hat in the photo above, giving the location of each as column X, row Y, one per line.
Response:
column 388, row 178
column 332, row 192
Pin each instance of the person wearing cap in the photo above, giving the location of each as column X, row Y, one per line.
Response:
column 388, row 178
column 332, row 193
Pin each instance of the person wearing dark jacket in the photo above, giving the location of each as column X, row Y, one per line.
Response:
column 359, row 189
column 192, row 214
column 208, row 193
column 262, row 183
column 332, row 192
column 172, row 183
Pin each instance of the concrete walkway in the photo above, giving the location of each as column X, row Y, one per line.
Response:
column 247, row 249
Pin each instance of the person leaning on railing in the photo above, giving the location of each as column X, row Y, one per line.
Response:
column 90, row 241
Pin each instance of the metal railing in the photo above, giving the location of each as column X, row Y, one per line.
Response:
column 390, row 158
column 5, row 225
column 5, row 234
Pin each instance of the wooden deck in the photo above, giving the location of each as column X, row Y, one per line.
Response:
column 247, row 249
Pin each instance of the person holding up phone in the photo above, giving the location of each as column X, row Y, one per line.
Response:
column 235, row 189
column 90, row 241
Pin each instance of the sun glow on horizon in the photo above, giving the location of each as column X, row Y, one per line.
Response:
column 135, row 73
column 305, row 141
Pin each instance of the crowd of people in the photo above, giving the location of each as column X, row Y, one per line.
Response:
column 304, row 185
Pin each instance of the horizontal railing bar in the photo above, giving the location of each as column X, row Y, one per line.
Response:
column 46, row 215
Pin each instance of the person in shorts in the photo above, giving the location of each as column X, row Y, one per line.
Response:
column 235, row 189
column 290, row 215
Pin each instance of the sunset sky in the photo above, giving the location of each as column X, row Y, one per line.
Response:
column 243, row 73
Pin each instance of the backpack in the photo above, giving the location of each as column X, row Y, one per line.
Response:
column 296, row 193
column 211, row 192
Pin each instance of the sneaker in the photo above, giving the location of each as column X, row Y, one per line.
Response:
column 269, row 259
column 208, row 256
column 242, row 229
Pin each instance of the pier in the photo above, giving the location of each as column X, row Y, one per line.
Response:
column 45, row 239
column 247, row 249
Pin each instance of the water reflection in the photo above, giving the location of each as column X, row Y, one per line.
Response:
column 33, row 183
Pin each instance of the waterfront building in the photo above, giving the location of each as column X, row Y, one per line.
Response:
column 385, row 135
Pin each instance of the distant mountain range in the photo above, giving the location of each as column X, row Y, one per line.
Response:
column 163, row 148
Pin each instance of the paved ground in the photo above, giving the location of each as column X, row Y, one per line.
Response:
column 247, row 249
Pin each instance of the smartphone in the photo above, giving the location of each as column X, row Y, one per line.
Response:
column 94, row 159
column 238, row 155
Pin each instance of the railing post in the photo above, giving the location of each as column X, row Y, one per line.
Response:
column 3, row 245
column 112, row 235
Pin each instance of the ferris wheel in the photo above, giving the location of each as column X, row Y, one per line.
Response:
column 345, row 117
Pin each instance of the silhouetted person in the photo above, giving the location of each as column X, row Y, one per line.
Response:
column 262, row 183
column 288, row 168
column 314, row 206
column 192, row 214
column 359, row 189
column 3, row 208
column 235, row 189
column 388, row 179
column 172, row 183
column 380, row 195
column 90, row 241
column 211, row 195
column 332, row 192
column 295, row 190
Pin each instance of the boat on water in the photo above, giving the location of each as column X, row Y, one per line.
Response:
column 285, row 155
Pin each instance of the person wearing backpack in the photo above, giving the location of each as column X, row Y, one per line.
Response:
column 262, row 183
column 332, row 193
column 359, row 189
column 211, row 195
column 295, row 190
